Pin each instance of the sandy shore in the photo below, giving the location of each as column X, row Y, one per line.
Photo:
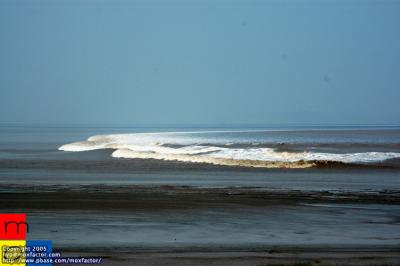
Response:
column 143, row 197
column 182, row 225
column 310, row 256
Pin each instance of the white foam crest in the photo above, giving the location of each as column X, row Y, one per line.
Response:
column 182, row 146
column 268, row 154
column 126, row 153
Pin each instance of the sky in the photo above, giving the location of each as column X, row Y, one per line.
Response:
column 200, row 62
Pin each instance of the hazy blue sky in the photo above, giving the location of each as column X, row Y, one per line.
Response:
column 200, row 62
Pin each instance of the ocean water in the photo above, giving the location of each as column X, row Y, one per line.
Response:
column 313, row 158
column 336, row 160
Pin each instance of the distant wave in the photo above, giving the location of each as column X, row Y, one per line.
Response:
column 195, row 148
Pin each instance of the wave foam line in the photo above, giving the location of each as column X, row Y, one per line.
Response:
column 125, row 153
column 160, row 146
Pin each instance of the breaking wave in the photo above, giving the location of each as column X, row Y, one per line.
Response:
column 196, row 147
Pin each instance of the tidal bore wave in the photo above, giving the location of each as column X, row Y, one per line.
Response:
column 196, row 147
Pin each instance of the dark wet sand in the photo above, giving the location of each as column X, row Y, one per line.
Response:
column 49, row 201
column 144, row 197
column 313, row 256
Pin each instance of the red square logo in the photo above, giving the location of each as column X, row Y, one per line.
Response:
column 13, row 226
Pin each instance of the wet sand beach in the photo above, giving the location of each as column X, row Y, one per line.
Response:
column 181, row 225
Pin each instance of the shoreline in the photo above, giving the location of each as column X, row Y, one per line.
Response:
column 168, row 196
column 268, row 257
column 182, row 225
